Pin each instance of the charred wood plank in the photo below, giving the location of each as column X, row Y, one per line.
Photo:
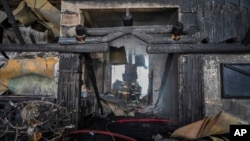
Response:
column 191, row 97
column 12, row 21
column 161, row 40
column 197, row 48
column 77, row 48
column 92, row 40
column 168, row 40
column 155, row 29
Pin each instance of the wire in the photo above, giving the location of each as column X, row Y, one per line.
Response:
column 7, row 128
column 16, row 135
column 45, row 121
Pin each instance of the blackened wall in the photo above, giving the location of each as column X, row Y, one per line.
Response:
column 216, row 20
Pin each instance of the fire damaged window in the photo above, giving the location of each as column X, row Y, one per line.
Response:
column 235, row 80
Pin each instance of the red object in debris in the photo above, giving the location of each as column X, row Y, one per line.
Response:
column 94, row 135
column 141, row 128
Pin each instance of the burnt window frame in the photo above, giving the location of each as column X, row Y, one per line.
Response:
column 223, row 94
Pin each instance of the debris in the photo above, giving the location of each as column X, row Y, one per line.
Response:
column 141, row 128
column 214, row 125
column 117, row 106
column 97, row 135
column 29, row 12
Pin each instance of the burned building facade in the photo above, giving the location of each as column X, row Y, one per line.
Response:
column 125, row 60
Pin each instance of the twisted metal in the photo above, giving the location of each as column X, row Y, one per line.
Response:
column 35, row 120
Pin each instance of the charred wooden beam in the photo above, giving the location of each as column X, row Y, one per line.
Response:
column 12, row 21
column 76, row 48
column 197, row 48
column 91, row 40
column 112, row 36
column 156, row 29
column 169, row 40
column 163, row 40
column 140, row 35
column 92, row 76
column 192, row 92
column 144, row 37
column 25, row 98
